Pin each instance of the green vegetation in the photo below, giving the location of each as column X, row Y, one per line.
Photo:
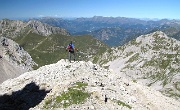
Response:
column 50, row 49
column 98, row 55
column 129, row 53
column 175, row 95
column 143, row 49
column 133, row 42
column 171, row 93
column 134, row 57
column 95, row 60
column 177, row 86
column 156, row 35
column 123, row 104
column 161, row 64
column 121, row 48
column 159, row 43
column 74, row 95
column 165, row 63
column 80, row 85
column 134, row 80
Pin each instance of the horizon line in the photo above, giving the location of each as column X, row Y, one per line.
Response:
column 71, row 17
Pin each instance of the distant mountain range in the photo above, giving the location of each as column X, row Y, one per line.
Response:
column 115, row 31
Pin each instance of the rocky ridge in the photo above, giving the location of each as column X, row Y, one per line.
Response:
column 151, row 59
column 93, row 86
column 45, row 29
column 14, row 28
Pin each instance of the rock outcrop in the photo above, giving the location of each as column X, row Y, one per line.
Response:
column 14, row 59
column 80, row 85
column 45, row 29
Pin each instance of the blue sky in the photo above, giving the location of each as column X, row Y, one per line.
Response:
column 89, row 8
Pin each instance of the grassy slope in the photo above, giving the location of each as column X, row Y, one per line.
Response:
column 46, row 50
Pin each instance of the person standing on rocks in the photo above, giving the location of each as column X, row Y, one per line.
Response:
column 71, row 49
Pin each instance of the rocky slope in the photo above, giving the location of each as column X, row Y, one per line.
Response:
column 45, row 29
column 79, row 85
column 14, row 28
column 9, row 70
column 14, row 60
column 152, row 59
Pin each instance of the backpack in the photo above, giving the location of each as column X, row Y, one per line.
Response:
column 70, row 47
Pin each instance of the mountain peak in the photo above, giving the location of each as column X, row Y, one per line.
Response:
column 157, row 34
column 151, row 59
column 14, row 28
column 45, row 29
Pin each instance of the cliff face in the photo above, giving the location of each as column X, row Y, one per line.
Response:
column 80, row 85
column 45, row 29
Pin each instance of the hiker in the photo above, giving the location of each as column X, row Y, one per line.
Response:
column 71, row 49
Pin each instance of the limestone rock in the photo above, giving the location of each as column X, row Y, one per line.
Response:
column 108, row 90
column 14, row 28
column 152, row 59
column 14, row 59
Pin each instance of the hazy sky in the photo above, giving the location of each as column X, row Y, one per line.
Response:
column 89, row 8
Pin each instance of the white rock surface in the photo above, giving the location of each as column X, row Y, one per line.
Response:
column 61, row 75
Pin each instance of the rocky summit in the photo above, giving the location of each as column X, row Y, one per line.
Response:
column 79, row 86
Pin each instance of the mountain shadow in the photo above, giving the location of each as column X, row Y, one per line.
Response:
column 24, row 99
